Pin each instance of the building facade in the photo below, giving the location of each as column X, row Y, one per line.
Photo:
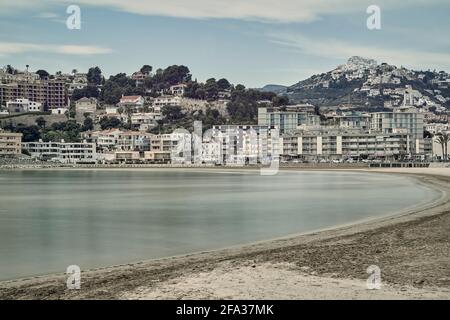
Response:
column 10, row 143
column 286, row 119
column 50, row 93
column 64, row 152
column 23, row 105
column 338, row 144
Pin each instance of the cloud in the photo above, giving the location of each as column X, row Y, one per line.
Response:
column 284, row 11
column 8, row 48
column 336, row 49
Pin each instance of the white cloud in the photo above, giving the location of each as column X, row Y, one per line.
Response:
column 8, row 48
column 336, row 49
column 260, row 10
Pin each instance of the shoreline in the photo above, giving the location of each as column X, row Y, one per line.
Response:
column 128, row 280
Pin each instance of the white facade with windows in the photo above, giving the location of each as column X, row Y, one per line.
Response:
column 64, row 152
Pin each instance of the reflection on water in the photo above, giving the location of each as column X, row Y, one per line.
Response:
column 52, row 219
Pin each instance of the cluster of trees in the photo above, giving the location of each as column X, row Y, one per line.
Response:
column 68, row 131
column 120, row 84
column 207, row 91
column 243, row 107
column 164, row 78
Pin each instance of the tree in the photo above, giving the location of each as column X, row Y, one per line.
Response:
column 89, row 91
column 94, row 76
column 279, row 101
column 40, row 122
column 146, row 69
column 212, row 89
column 172, row 113
column 43, row 75
column 223, row 84
column 88, row 124
column 10, row 69
column 108, row 123
column 30, row 133
column 443, row 139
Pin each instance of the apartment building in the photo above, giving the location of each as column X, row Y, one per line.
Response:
column 286, row 118
column 243, row 144
column 353, row 120
column 64, row 152
column 176, row 146
column 339, row 144
column 50, row 93
column 10, row 143
column 118, row 140
column 401, row 118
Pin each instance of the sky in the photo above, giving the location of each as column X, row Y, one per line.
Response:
column 253, row 42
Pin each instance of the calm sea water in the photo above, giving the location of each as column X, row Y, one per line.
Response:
column 52, row 219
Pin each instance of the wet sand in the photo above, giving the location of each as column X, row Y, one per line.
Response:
column 412, row 250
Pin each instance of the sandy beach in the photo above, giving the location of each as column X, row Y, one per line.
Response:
column 412, row 249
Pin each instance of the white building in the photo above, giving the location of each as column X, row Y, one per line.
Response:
column 118, row 140
column 23, row 105
column 136, row 103
column 402, row 118
column 64, row 152
column 342, row 144
column 60, row 111
column 178, row 89
column 287, row 118
column 242, row 144
column 164, row 101
column 145, row 120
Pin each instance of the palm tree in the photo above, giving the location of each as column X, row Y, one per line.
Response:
column 443, row 139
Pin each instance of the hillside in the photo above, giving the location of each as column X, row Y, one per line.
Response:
column 368, row 85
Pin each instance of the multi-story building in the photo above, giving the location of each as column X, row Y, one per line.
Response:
column 118, row 140
column 64, row 152
column 10, row 143
column 163, row 101
column 178, row 89
column 353, row 120
column 243, row 144
column 145, row 121
column 136, row 103
column 338, row 144
column 23, row 105
column 402, row 118
column 50, row 93
column 287, row 118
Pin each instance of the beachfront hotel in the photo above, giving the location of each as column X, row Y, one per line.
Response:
column 10, row 143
